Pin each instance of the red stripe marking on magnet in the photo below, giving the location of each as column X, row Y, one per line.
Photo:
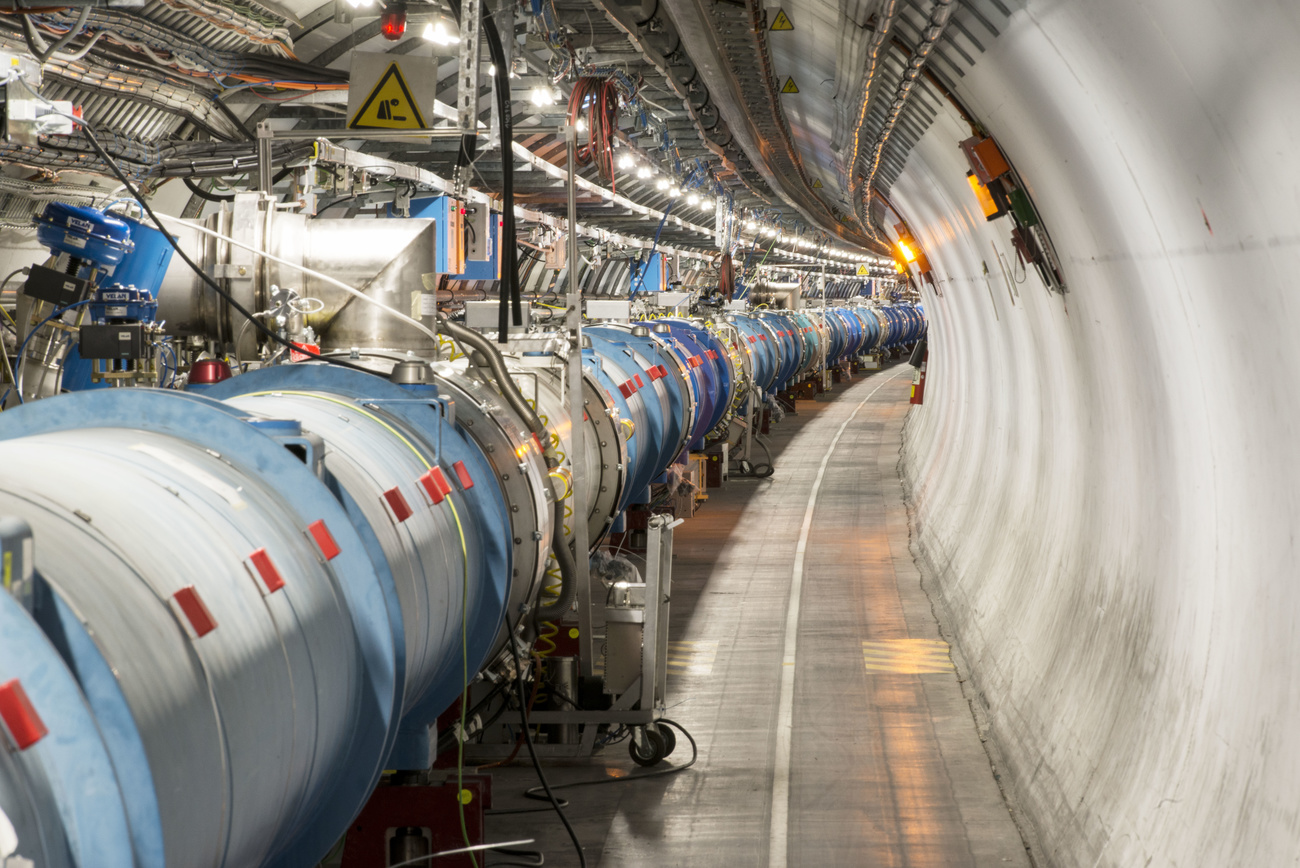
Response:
column 440, row 479
column 401, row 509
column 626, row 389
column 436, row 484
column 271, row 578
column 19, row 715
column 462, row 473
column 195, row 611
column 639, row 384
column 324, row 540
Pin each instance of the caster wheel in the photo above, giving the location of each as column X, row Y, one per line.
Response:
column 746, row 468
column 651, row 752
column 670, row 740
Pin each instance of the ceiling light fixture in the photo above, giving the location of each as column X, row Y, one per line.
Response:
column 437, row 33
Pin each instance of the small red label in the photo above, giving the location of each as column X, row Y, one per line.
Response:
column 626, row 389
column 462, row 473
column 401, row 509
column 663, row 371
column 436, row 484
column 654, row 374
column 753, row 340
column 324, row 540
column 431, row 488
column 271, row 578
column 19, row 715
column 195, row 611
column 295, row 356
column 639, row 384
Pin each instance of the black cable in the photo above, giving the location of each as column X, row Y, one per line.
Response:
column 212, row 284
column 528, row 740
column 505, row 123
column 538, row 858
column 205, row 195
column 232, row 117
column 534, row 793
column 324, row 208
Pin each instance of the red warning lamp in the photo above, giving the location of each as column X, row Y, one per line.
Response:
column 392, row 23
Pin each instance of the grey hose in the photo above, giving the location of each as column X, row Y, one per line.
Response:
column 509, row 389
column 37, row 45
column 568, row 572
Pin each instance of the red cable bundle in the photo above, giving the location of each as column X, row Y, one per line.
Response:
column 726, row 277
column 598, row 97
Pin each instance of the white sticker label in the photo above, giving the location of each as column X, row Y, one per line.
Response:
column 8, row 837
column 124, row 336
column 73, row 240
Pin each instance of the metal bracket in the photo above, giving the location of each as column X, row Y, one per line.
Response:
column 467, row 80
column 17, row 558
column 265, row 138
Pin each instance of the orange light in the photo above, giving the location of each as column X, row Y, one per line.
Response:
column 985, row 198
column 898, row 266
column 908, row 254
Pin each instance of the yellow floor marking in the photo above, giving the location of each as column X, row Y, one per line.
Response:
column 907, row 656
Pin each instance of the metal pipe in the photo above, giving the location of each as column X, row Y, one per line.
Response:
column 509, row 390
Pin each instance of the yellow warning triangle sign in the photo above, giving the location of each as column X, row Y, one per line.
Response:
column 863, row 271
column 389, row 106
column 817, row 183
column 781, row 21
column 790, row 86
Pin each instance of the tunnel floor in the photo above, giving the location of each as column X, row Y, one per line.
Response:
column 885, row 764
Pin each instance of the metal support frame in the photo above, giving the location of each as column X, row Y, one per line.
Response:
column 577, row 410
column 649, row 691
column 265, row 138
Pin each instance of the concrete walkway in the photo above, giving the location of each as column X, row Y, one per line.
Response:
column 873, row 759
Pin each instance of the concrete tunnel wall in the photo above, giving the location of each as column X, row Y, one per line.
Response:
column 1106, row 486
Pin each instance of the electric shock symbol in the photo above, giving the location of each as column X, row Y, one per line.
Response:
column 389, row 106
column 790, row 86
column 817, row 183
column 782, row 21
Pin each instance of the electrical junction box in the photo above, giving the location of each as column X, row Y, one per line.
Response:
column 478, row 239
column 670, row 299
column 490, row 268
column 485, row 316
column 651, row 275
column 448, row 216
column 557, row 253
column 55, row 287
column 985, row 158
column 22, row 111
column 609, row 309
column 125, row 341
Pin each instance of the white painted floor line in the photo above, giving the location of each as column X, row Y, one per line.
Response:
column 779, row 837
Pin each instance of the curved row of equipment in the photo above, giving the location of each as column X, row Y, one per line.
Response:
column 228, row 610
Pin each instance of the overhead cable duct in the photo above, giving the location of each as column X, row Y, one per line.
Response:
column 940, row 13
column 879, row 36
